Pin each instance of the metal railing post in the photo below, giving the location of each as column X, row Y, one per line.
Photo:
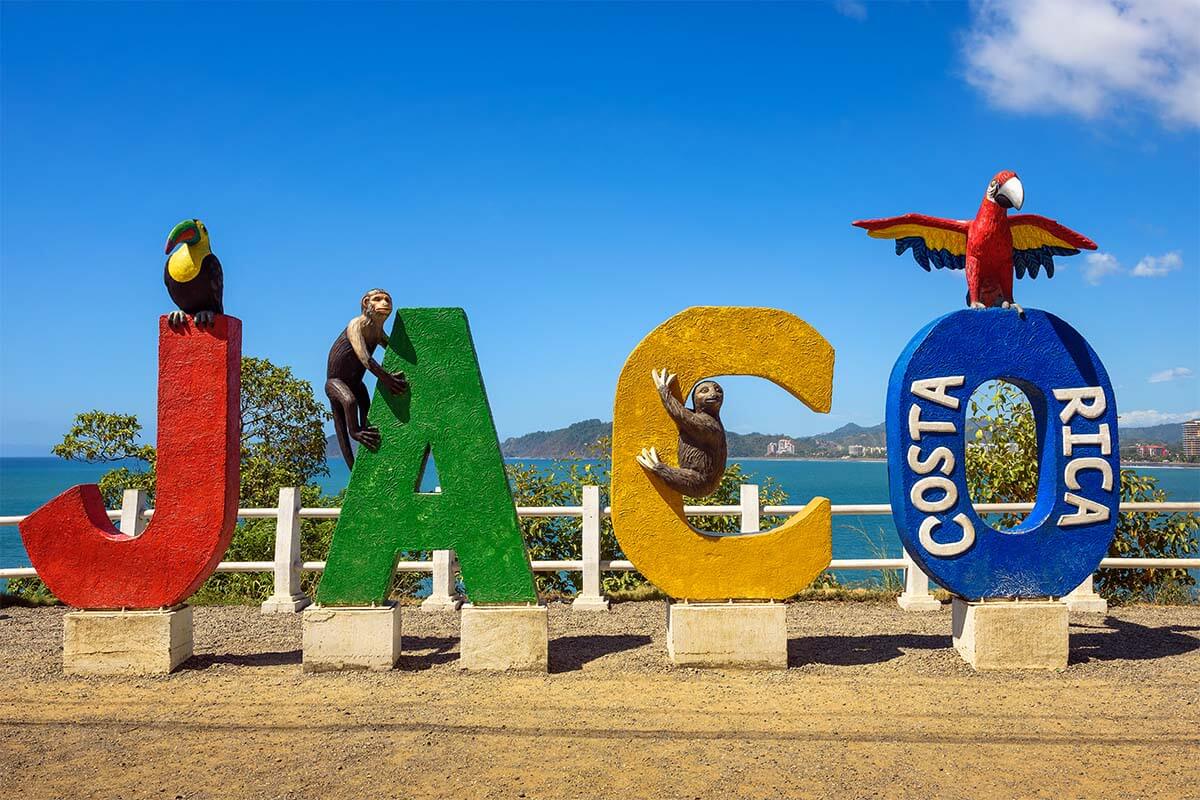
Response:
column 590, row 598
column 287, row 597
column 443, row 597
column 1084, row 598
column 133, row 506
column 750, row 508
column 916, row 596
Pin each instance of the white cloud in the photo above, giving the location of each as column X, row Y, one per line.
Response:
column 1157, row 266
column 1142, row 419
column 851, row 8
column 1172, row 374
column 1088, row 56
column 1100, row 265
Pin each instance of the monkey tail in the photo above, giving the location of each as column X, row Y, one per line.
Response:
column 343, row 437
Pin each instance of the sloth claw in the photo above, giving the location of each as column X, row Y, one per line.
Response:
column 648, row 458
column 662, row 379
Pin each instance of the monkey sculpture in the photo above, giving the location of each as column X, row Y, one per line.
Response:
column 702, row 446
column 349, row 360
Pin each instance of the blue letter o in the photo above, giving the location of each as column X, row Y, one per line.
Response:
column 1079, row 482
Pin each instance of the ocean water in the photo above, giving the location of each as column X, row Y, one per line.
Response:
column 27, row 483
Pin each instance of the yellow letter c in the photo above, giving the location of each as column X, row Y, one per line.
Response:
column 648, row 517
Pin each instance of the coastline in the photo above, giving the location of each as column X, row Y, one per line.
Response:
column 731, row 458
column 832, row 460
column 827, row 459
column 1162, row 464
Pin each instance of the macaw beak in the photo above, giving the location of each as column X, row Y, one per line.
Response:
column 1011, row 194
column 186, row 232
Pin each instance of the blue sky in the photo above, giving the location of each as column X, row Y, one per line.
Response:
column 574, row 174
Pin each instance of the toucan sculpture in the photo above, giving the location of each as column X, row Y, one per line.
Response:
column 193, row 275
column 991, row 247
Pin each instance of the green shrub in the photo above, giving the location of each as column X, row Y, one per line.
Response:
column 282, row 444
column 27, row 592
column 1150, row 536
column 1002, row 468
column 558, row 538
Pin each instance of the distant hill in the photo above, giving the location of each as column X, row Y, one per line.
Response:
column 579, row 437
column 333, row 451
column 874, row 436
column 1171, row 433
column 576, row 438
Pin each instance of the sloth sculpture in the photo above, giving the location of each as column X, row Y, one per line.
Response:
column 702, row 446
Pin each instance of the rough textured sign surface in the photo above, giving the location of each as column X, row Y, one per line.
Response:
column 648, row 516
column 445, row 413
column 78, row 553
column 1079, row 485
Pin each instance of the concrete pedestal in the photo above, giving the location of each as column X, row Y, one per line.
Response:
column 916, row 596
column 732, row 635
column 126, row 642
column 436, row 603
column 1011, row 634
column 925, row 602
column 505, row 638
column 1086, row 603
column 1083, row 598
column 285, row 604
column 343, row 638
column 443, row 596
column 597, row 603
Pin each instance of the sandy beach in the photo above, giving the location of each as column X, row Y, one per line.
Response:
column 874, row 704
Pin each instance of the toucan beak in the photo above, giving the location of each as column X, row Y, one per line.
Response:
column 1011, row 194
column 186, row 232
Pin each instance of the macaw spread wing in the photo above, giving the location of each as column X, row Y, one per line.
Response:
column 936, row 241
column 1037, row 240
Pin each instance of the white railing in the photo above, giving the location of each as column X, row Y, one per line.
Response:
column 287, row 566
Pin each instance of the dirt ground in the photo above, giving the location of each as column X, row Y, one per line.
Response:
column 876, row 703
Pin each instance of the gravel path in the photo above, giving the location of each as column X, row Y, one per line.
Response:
column 876, row 704
column 1131, row 643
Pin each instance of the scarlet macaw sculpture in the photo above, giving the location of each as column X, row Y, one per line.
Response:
column 990, row 247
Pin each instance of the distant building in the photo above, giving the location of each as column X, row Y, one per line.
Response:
column 1191, row 438
column 854, row 450
column 1152, row 451
column 784, row 447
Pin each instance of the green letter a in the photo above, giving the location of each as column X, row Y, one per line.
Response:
column 446, row 412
